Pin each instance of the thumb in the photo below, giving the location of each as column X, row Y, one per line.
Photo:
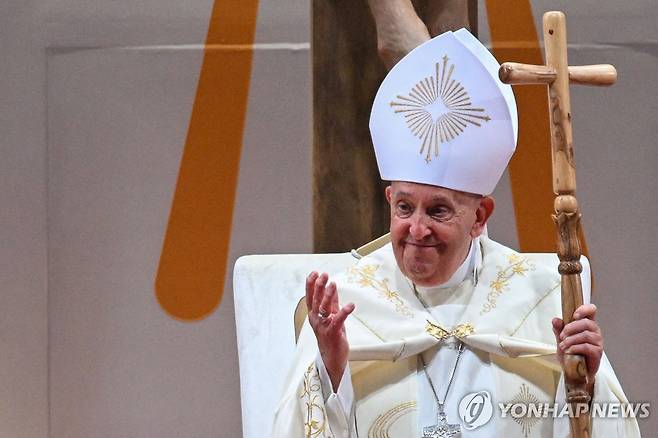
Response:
column 558, row 325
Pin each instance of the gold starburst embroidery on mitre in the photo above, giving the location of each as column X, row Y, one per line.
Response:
column 524, row 397
column 438, row 109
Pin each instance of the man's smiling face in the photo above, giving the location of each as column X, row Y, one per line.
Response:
column 432, row 228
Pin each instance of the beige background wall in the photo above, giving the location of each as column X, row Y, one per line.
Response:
column 23, row 243
column 95, row 98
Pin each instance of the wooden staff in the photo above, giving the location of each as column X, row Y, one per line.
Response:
column 557, row 74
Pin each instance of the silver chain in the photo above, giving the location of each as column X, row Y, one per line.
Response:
column 452, row 375
column 422, row 359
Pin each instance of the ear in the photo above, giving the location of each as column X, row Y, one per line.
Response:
column 389, row 193
column 482, row 214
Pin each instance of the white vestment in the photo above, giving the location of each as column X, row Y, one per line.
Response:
column 503, row 315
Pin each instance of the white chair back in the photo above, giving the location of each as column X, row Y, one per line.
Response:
column 266, row 291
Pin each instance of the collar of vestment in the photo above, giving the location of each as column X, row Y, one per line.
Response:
column 392, row 323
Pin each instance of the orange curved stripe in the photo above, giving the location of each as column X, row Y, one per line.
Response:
column 514, row 38
column 190, row 279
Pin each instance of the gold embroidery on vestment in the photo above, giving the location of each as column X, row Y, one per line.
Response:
column 460, row 331
column 315, row 425
column 383, row 422
column 518, row 265
column 364, row 276
column 524, row 397
column 365, row 324
column 533, row 308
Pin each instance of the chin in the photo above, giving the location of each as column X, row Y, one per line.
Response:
column 420, row 273
column 424, row 281
column 419, row 268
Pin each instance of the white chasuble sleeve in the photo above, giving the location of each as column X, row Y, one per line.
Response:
column 304, row 409
column 339, row 405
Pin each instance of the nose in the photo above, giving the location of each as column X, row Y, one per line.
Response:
column 418, row 228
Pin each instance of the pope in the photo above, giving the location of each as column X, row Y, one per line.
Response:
column 430, row 334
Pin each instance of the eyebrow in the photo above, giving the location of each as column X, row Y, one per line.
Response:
column 435, row 198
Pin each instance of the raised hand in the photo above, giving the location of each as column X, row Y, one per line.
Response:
column 581, row 336
column 328, row 322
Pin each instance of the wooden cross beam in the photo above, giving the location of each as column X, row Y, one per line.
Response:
column 557, row 74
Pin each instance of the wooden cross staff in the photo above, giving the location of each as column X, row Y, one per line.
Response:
column 557, row 74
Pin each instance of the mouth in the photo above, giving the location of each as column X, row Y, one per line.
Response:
column 421, row 244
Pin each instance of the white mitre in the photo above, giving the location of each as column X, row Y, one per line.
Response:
column 442, row 117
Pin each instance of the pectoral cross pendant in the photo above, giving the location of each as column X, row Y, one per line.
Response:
column 443, row 429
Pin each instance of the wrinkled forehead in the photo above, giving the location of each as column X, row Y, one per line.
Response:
column 427, row 191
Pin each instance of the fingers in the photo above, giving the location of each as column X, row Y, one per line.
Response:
column 592, row 353
column 339, row 318
column 587, row 337
column 558, row 325
column 323, row 298
column 327, row 300
column 579, row 326
column 588, row 350
column 318, row 292
column 334, row 306
column 310, row 283
column 585, row 311
column 582, row 336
